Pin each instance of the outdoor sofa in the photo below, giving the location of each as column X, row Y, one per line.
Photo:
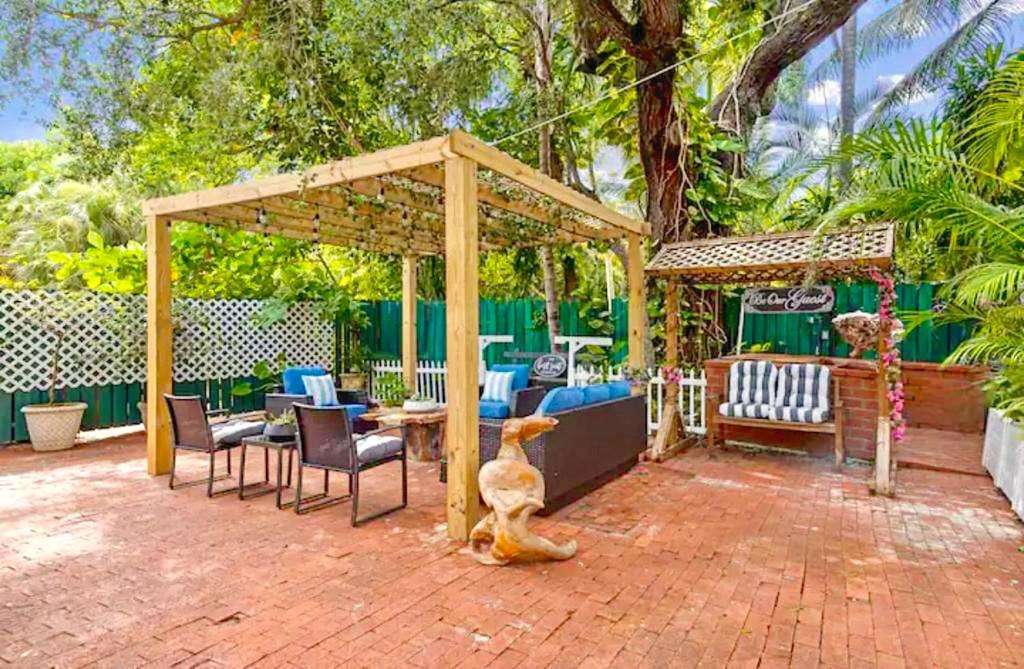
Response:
column 601, row 432
column 523, row 400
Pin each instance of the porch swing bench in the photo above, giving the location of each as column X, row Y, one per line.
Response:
column 793, row 397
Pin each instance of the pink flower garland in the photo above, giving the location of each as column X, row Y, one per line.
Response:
column 891, row 358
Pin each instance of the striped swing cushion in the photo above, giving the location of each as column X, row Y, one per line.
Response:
column 751, row 389
column 802, row 394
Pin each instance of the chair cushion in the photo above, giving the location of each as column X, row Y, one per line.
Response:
column 377, row 447
column 494, row 409
column 522, row 374
column 291, row 378
column 498, row 386
column 802, row 394
column 560, row 399
column 619, row 389
column 321, row 389
column 740, row 410
column 233, row 431
column 354, row 411
column 599, row 392
column 752, row 382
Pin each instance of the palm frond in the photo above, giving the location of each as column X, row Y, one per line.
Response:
column 989, row 283
column 996, row 128
column 971, row 37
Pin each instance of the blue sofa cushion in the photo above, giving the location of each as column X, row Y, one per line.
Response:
column 560, row 399
column 522, row 375
column 291, row 378
column 618, row 389
column 599, row 392
column 493, row 409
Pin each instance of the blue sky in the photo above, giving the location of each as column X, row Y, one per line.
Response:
column 25, row 118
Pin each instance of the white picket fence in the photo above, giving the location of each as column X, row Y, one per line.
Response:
column 431, row 378
column 693, row 394
column 432, row 381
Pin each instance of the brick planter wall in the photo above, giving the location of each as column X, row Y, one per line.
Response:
column 945, row 399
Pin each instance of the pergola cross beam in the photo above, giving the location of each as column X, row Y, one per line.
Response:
column 420, row 199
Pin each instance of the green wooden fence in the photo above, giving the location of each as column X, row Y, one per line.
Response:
column 805, row 334
column 519, row 318
column 810, row 334
column 115, row 405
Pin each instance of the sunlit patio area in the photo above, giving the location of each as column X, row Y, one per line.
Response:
column 729, row 560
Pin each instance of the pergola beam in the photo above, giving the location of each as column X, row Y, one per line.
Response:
column 487, row 156
column 337, row 172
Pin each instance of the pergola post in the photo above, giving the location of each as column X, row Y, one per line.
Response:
column 409, row 352
column 636, row 299
column 463, row 326
column 670, row 428
column 883, row 442
column 159, row 341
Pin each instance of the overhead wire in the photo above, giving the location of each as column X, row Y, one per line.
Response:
column 679, row 63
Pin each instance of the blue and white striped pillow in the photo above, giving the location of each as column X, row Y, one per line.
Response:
column 498, row 387
column 321, row 389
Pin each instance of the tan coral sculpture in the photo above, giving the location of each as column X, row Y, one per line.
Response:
column 859, row 329
column 514, row 490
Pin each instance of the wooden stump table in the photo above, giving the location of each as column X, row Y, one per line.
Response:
column 424, row 431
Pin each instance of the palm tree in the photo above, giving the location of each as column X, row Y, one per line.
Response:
column 972, row 25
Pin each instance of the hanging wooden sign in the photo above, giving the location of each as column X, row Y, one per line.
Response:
column 798, row 300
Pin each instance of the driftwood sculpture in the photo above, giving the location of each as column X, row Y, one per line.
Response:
column 514, row 490
column 860, row 330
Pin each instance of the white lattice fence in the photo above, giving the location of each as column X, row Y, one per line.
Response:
column 105, row 339
column 692, row 395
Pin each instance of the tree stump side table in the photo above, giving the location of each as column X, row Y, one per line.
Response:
column 424, row 432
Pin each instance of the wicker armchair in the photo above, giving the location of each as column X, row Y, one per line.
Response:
column 326, row 442
column 193, row 432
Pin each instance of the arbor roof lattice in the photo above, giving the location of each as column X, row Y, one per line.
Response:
column 778, row 257
column 392, row 201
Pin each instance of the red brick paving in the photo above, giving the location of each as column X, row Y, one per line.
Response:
column 736, row 560
column 943, row 451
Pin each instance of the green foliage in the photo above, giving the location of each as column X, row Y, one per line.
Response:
column 390, row 389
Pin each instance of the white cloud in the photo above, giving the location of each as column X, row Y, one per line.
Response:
column 824, row 93
column 888, row 81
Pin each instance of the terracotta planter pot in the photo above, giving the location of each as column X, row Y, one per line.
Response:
column 351, row 381
column 54, row 427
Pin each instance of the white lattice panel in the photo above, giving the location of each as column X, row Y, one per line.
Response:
column 105, row 339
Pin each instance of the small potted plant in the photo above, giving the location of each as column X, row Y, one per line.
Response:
column 281, row 427
column 54, row 426
column 419, row 404
column 390, row 390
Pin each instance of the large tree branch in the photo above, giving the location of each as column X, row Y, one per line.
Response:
column 747, row 96
column 598, row 20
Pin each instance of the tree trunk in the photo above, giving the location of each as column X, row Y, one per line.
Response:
column 542, row 68
column 848, row 94
column 661, row 152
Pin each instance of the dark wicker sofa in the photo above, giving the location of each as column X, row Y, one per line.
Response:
column 592, row 445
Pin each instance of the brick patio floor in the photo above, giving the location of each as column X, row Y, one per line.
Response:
column 738, row 560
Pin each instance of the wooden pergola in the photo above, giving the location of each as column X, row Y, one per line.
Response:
column 452, row 196
column 789, row 257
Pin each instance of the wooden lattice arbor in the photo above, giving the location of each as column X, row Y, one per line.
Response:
column 761, row 259
column 452, row 196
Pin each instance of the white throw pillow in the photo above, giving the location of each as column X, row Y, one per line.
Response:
column 498, row 387
column 321, row 389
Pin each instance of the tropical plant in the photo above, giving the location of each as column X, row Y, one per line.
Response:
column 957, row 186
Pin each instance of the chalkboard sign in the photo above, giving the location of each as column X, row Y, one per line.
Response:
column 812, row 300
column 550, row 366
